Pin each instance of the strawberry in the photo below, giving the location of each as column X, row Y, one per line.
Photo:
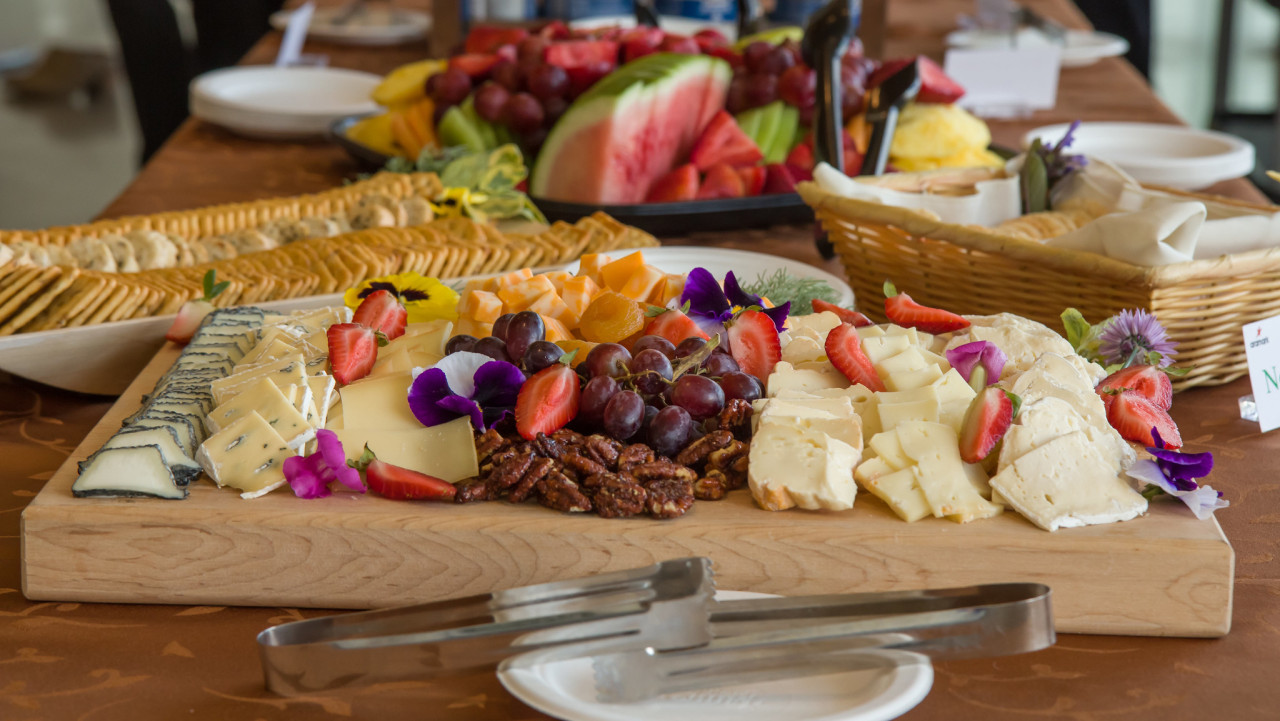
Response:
column 723, row 142
column 989, row 416
column 382, row 311
column 935, row 85
column 674, row 325
column 722, row 181
column 488, row 38
column 193, row 312
column 844, row 350
column 475, row 65
column 1133, row 416
column 680, row 44
column 753, row 178
column 910, row 314
column 1147, row 380
column 679, row 185
column 547, row 401
column 401, row 484
column 852, row 317
column 778, row 180
column 353, row 348
column 754, row 344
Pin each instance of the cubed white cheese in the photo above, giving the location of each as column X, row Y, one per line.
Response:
column 793, row 467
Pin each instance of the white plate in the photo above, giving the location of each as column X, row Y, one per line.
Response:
column 1082, row 47
column 566, row 690
column 1170, row 155
column 103, row 359
column 670, row 23
column 373, row 26
column 266, row 101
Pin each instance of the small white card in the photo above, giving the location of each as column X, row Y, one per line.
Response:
column 1262, row 352
column 1006, row 82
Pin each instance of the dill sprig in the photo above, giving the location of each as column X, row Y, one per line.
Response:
column 781, row 286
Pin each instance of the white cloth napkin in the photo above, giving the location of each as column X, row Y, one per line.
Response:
column 995, row 201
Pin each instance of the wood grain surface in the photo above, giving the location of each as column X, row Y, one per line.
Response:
column 1165, row 574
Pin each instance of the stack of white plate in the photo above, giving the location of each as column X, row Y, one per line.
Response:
column 281, row 103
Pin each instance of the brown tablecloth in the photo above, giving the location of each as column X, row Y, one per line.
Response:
column 99, row 661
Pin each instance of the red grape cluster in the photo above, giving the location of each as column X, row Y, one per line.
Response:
column 769, row 72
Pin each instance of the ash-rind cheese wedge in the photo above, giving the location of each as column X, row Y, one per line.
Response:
column 137, row 471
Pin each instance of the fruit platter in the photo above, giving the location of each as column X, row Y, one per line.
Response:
column 647, row 124
column 415, row 443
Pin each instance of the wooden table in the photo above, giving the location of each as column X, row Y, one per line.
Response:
column 84, row 661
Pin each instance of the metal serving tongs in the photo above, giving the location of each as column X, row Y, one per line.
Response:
column 826, row 38
column 772, row 639
column 662, row 606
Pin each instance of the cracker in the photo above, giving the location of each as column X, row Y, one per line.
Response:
column 28, row 285
column 39, row 302
column 78, row 298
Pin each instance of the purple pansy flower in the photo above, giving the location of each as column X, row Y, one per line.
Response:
column 965, row 358
column 465, row 384
column 712, row 306
column 310, row 476
column 1174, row 473
column 1130, row 335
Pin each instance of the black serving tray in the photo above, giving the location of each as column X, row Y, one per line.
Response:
column 694, row 216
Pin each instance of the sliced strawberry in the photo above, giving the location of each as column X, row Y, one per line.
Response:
column 710, row 38
column 679, row 185
column 724, row 142
column 402, row 484
column 844, row 350
column 722, row 181
column 852, row 317
column 547, row 401
column 989, row 416
column 353, row 349
column 753, row 178
column 910, row 314
column 187, row 322
column 382, row 311
column 801, row 157
column 935, row 85
column 726, row 54
column 754, row 344
column 475, row 65
column 675, row 326
column 581, row 53
column 639, row 42
column 487, row 38
column 778, row 179
column 680, row 44
column 554, row 30
column 1133, row 416
column 1147, row 380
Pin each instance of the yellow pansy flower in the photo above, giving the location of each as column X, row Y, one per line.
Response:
column 425, row 298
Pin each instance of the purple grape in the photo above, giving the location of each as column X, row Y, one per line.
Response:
column 523, row 113
column 777, row 61
column 607, row 359
column 552, row 109
column 531, row 49
column 492, row 347
column 669, row 430
column 525, row 328
column 548, row 81
column 755, row 55
column 656, row 342
column 649, row 413
column 500, row 326
column 452, row 88
column 491, row 98
column 651, row 370
column 460, row 342
column 736, row 100
column 699, row 395
column 532, row 141
column 623, row 414
column 507, row 74
column 688, row 347
column 541, row 354
column 595, row 396
column 741, row 385
column 762, row 89
column 718, row 364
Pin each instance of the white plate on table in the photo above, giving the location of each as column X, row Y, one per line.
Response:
column 1160, row 154
column 566, row 690
column 103, row 359
column 371, row 26
column 1080, row 47
column 269, row 102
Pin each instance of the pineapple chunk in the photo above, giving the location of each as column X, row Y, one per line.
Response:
column 519, row 296
column 641, row 284
column 616, row 274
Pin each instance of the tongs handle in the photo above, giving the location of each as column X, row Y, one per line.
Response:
column 645, row 14
column 825, row 41
column 748, row 18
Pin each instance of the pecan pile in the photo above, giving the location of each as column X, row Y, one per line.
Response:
column 575, row 473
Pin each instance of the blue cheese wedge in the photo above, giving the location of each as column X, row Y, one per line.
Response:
column 265, row 400
column 282, row 372
column 247, row 455
column 137, row 471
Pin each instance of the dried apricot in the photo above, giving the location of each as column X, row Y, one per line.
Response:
column 611, row 318
column 583, row 347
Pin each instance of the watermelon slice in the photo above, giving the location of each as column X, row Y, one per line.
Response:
column 724, row 142
column 631, row 128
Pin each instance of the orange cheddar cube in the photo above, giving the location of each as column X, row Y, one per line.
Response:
column 671, row 287
column 519, row 296
column 642, row 283
column 485, row 307
column 558, row 277
column 473, row 328
column 488, row 284
column 577, row 294
column 590, row 264
column 556, row 331
column 515, row 276
column 616, row 274
column 549, row 305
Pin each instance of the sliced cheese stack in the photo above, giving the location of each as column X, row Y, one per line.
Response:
column 271, row 403
column 421, row 346
column 917, row 472
column 804, row 449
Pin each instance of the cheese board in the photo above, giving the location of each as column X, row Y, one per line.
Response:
column 1165, row 574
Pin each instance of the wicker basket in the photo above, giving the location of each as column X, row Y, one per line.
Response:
column 1203, row 304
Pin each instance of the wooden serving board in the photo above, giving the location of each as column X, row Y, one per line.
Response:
column 1165, row 574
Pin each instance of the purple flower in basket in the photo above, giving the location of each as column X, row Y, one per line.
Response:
column 1131, row 336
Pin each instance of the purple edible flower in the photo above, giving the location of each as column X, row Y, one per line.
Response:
column 1174, row 473
column 713, row 306
column 1131, row 335
column 310, row 476
column 966, row 357
column 465, row 384
column 1057, row 162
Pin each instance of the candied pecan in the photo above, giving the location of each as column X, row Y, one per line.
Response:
column 735, row 418
column 488, row 443
column 581, row 465
column 511, row 471
column 669, row 497
column 662, row 469
column 617, row 497
column 540, row 468
column 603, row 449
column 472, row 489
column 729, row 457
column 569, row 436
column 697, row 452
column 634, row 455
column 502, row 456
column 558, row 492
column 549, row 447
column 711, row 487
column 595, row 480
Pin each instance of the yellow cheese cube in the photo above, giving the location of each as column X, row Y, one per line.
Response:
column 549, row 305
column 558, row 277
column 671, row 287
column 473, row 328
column 520, row 296
column 485, row 306
column 556, row 331
column 515, row 276
column 486, row 284
column 578, row 294
column 642, row 283
column 590, row 264
column 616, row 274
